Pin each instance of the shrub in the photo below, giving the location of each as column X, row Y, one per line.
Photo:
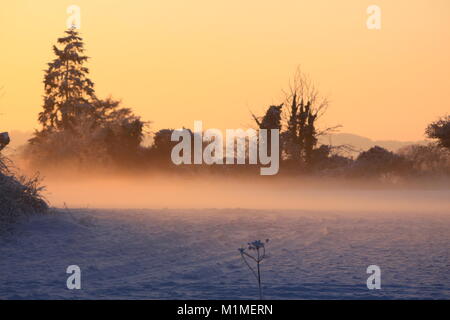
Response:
column 378, row 161
column 19, row 195
column 440, row 130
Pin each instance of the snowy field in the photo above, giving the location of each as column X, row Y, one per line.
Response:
column 192, row 254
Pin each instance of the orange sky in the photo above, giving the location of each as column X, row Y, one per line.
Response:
column 178, row 61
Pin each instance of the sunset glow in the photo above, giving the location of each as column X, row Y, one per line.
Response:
column 178, row 61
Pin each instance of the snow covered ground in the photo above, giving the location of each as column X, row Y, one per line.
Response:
column 192, row 254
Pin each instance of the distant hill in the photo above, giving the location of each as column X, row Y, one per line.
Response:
column 362, row 143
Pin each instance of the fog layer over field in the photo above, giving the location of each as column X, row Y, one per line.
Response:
column 259, row 193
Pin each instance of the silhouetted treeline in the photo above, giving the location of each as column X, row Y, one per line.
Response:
column 78, row 128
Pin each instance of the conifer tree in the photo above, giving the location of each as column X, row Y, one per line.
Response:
column 68, row 90
column 76, row 125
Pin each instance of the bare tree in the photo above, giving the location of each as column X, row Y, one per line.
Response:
column 305, row 106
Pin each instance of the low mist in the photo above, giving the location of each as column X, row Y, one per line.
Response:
column 155, row 191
